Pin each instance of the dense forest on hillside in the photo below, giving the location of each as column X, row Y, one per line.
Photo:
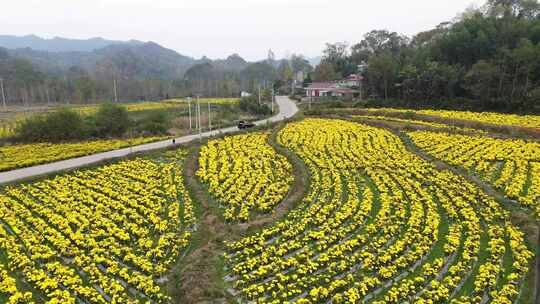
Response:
column 486, row 59
column 138, row 71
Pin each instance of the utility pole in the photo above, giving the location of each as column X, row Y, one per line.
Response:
column 360, row 85
column 199, row 111
column 48, row 96
column 259, row 95
column 272, row 101
column 189, row 109
column 115, row 89
column 209, row 117
column 361, row 68
column 3, row 94
column 131, row 140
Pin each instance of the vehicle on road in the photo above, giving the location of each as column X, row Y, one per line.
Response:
column 242, row 124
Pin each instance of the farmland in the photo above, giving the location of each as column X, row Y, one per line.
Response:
column 524, row 121
column 96, row 236
column 513, row 166
column 20, row 156
column 379, row 224
column 245, row 173
column 413, row 212
column 10, row 120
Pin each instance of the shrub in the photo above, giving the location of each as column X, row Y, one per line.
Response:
column 112, row 120
column 57, row 126
column 251, row 105
column 155, row 122
column 335, row 104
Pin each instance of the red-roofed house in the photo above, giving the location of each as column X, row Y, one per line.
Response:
column 328, row 89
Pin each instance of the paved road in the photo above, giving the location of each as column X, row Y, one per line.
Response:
column 287, row 109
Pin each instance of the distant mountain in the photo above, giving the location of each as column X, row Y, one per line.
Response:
column 137, row 60
column 132, row 59
column 148, row 60
column 58, row 44
column 232, row 63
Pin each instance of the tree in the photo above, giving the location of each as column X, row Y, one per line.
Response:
column 300, row 64
column 325, row 72
column 513, row 8
column 525, row 60
column 382, row 69
column 112, row 120
column 337, row 55
column 379, row 41
column 481, row 80
column 85, row 88
column 271, row 58
column 285, row 71
column 257, row 74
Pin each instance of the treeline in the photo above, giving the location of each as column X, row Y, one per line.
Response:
column 126, row 76
column 110, row 121
column 230, row 77
column 486, row 59
column 26, row 83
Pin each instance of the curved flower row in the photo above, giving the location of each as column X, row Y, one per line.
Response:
column 20, row 156
column 97, row 236
column 246, row 174
column 510, row 165
column 379, row 225
column 525, row 121
column 417, row 122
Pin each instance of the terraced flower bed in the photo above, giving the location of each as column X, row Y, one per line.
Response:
column 245, row 174
column 379, row 222
column 27, row 155
column 513, row 166
column 524, row 121
column 106, row 235
column 379, row 225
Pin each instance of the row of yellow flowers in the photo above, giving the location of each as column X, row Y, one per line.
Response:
column 245, row 174
column 414, row 122
column 511, row 165
column 27, row 155
column 525, row 121
column 372, row 217
column 96, row 236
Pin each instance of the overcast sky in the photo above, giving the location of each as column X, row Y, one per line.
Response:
column 219, row 28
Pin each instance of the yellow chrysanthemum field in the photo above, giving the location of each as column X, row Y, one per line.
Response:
column 383, row 216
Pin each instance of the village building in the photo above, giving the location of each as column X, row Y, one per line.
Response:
column 342, row 88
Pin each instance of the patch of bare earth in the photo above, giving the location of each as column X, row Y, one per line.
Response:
column 199, row 276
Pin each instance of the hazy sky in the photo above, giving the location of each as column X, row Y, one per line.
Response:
column 219, row 28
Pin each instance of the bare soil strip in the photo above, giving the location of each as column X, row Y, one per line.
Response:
column 198, row 277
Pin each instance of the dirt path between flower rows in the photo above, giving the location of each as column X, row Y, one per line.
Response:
column 199, row 276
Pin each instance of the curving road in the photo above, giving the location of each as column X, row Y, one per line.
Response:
column 287, row 109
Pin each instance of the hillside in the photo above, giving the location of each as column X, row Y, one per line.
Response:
column 137, row 60
column 58, row 44
column 60, row 70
